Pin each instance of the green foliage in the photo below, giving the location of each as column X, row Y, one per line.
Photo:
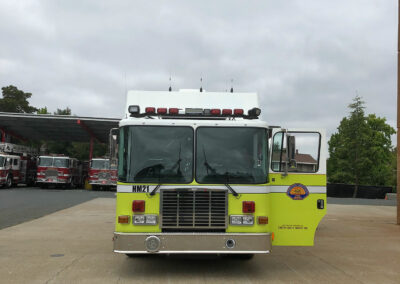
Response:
column 43, row 110
column 15, row 100
column 66, row 111
column 361, row 151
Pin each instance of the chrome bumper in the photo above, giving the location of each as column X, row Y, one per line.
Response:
column 192, row 243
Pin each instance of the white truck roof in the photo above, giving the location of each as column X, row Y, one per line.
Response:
column 191, row 98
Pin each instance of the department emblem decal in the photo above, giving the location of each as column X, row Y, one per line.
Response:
column 297, row 191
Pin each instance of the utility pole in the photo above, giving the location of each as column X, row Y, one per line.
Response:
column 398, row 115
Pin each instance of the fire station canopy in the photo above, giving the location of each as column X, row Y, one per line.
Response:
column 34, row 127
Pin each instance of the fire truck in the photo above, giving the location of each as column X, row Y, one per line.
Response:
column 60, row 171
column 102, row 174
column 17, row 165
column 200, row 173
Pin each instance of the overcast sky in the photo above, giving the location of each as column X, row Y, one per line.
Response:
column 306, row 59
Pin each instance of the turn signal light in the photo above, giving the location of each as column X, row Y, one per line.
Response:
column 150, row 110
column 262, row 220
column 248, row 206
column 162, row 110
column 123, row 219
column 138, row 205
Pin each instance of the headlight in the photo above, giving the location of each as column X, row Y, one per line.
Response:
column 151, row 219
column 236, row 220
column 138, row 219
column 242, row 220
column 248, row 220
column 144, row 219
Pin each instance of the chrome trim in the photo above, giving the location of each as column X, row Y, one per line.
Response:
column 189, row 228
column 193, row 252
column 194, row 242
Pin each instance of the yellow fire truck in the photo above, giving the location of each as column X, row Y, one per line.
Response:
column 199, row 172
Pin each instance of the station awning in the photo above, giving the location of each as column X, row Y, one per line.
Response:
column 34, row 127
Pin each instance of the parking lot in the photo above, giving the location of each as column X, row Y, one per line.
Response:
column 67, row 238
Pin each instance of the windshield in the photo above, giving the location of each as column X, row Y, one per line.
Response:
column 231, row 155
column 61, row 162
column 156, row 154
column 100, row 164
column 45, row 162
column 2, row 160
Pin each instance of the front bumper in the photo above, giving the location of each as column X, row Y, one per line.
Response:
column 52, row 181
column 192, row 243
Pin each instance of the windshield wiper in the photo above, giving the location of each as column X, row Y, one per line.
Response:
column 231, row 189
column 158, row 185
column 155, row 189
column 228, row 186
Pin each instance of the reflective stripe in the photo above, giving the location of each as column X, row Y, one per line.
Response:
column 237, row 188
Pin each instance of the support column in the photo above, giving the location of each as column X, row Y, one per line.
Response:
column 91, row 148
column 3, row 135
column 398, row 116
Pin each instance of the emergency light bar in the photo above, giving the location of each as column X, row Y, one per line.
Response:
column 134, row 111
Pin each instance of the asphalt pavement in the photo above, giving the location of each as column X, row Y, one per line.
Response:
column 18, row 205
column 353, row 244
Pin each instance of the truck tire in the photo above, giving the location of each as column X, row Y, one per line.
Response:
column 9, row 182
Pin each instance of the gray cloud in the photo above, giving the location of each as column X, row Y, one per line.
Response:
column 306, row 59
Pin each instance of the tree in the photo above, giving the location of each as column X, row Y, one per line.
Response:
column 66, row 111
column 360, row 152
column 43, row 110
column 15, row 100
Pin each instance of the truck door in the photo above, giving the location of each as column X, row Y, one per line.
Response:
column 298, row 184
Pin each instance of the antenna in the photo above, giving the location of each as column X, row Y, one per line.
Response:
column 231, row 85
column 201, row 84
column 170, row 87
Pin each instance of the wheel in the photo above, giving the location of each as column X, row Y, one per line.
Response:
column 9, row 182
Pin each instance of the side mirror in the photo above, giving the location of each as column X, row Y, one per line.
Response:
column 291, row 149
column 113, row 144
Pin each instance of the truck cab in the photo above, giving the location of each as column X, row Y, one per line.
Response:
column 101, row 174
column 200, row 173
column 58, row 170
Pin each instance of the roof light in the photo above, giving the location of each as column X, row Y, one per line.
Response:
column 238, row 111
column 150, row 110
column 227, row 112
column 174, row 110
column 215, row 111
column 162, row 110
column 134, row 109
column 138, row 205
column 248, row 206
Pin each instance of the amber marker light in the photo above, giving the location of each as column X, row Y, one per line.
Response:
column 262, row 220
column 273, row 236
column 123, row 219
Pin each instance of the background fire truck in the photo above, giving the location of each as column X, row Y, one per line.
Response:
column 102, row 175
column 59, row 170
column 17, row 165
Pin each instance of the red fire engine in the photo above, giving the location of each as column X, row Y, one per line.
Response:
column 17, row 165
column 59, row 170
column 102, row 174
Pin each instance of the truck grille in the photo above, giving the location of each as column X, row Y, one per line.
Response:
column 104, row 175
column 51, row 173
column 188, row 209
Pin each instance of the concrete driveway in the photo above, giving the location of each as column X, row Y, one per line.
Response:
column 354, row 244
